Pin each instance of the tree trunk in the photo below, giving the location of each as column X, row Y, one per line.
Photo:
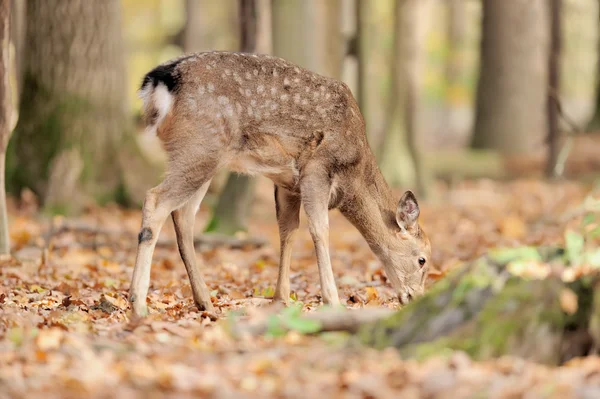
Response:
column 235, row 200
column 595, row 121
column 211, row 25
column 74, row 141
column 400, row 160
column 5, row 118
column 308, row 32
column 488, row 312
column 17, row 36
column 553, row 96
column 361, row 20
column 511, row 94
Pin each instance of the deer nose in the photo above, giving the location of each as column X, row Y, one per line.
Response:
column 405, row 298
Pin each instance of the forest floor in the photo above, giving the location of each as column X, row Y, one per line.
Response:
column 64, row 314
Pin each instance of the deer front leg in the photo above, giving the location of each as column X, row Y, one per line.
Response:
column 183, row 221
column 287, row 208
column 315, row 197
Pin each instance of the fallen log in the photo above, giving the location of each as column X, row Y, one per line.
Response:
column 482, row 308
column 488, row 312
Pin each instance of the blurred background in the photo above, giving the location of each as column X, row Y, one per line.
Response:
column 450, row 89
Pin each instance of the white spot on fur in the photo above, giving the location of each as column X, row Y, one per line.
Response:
column 248, row 92
column 275, row 72
column 223, row 100
column 239, row 108
column 250, row 111
column 296, row 80
column 228, row 72
column 260, row 89
column 286, row 82
column 248, row 75
column 253, row 103
column 263, row 68
column 255, row 72
column 211, row 87
column 296, row 70
column 297, row 98
column 208, row 66
column 284, row 97
column 229, row 110
column 201, row 90
column 327, row 96
column 307, row 89
column 274, row 106
column 304, row 101
column 273, row 91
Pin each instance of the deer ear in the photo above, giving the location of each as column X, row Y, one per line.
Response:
column 408, row 211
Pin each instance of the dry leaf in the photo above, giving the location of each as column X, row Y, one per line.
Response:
column 568, row 301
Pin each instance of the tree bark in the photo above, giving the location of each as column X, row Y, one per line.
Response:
column 5, row 118
column 511, row 93
column 361, row 10
column 211, row 25
column 73, row 109
column 595, row 121
column 553, row 96
column 400, row 160
column 308, row 32
column 234, row 203
column 17, row 36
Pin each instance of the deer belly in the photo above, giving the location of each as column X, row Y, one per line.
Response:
column 284, row 174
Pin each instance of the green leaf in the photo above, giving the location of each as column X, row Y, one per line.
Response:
column 594, row 233
column 593, row 258
column 268, row 292
column 589, row 218
column 303, row 325
column 574, row 243
column 274, row 327
column 507, row 255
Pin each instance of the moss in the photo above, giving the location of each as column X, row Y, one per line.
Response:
column 51, row 122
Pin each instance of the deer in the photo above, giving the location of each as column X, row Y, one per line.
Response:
column 260, row 114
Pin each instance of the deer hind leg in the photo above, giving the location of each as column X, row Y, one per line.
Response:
column 287, row 208
column 315, row 188
column 183, row 220
column 160, row 201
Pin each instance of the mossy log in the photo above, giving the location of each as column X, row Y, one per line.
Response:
column 488, row 312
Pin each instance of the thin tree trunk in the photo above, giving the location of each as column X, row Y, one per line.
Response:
column 402, row 123
column 17, row 33
column 553, row 96
column 211, row 25
column 511, row 94
column 5, row 118
column 595, row 121
column 308, row 32
column 234, row 203
column 360, row 43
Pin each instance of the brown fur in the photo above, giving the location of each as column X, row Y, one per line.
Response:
column 261, row 114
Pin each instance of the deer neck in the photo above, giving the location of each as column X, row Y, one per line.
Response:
column 370, row 207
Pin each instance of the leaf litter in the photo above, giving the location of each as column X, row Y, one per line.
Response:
column 65, row 327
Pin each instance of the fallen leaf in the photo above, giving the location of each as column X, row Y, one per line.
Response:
column 568, row 301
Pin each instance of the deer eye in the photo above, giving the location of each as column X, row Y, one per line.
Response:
column 422, row 261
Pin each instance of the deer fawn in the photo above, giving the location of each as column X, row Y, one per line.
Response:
column 261, row 114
